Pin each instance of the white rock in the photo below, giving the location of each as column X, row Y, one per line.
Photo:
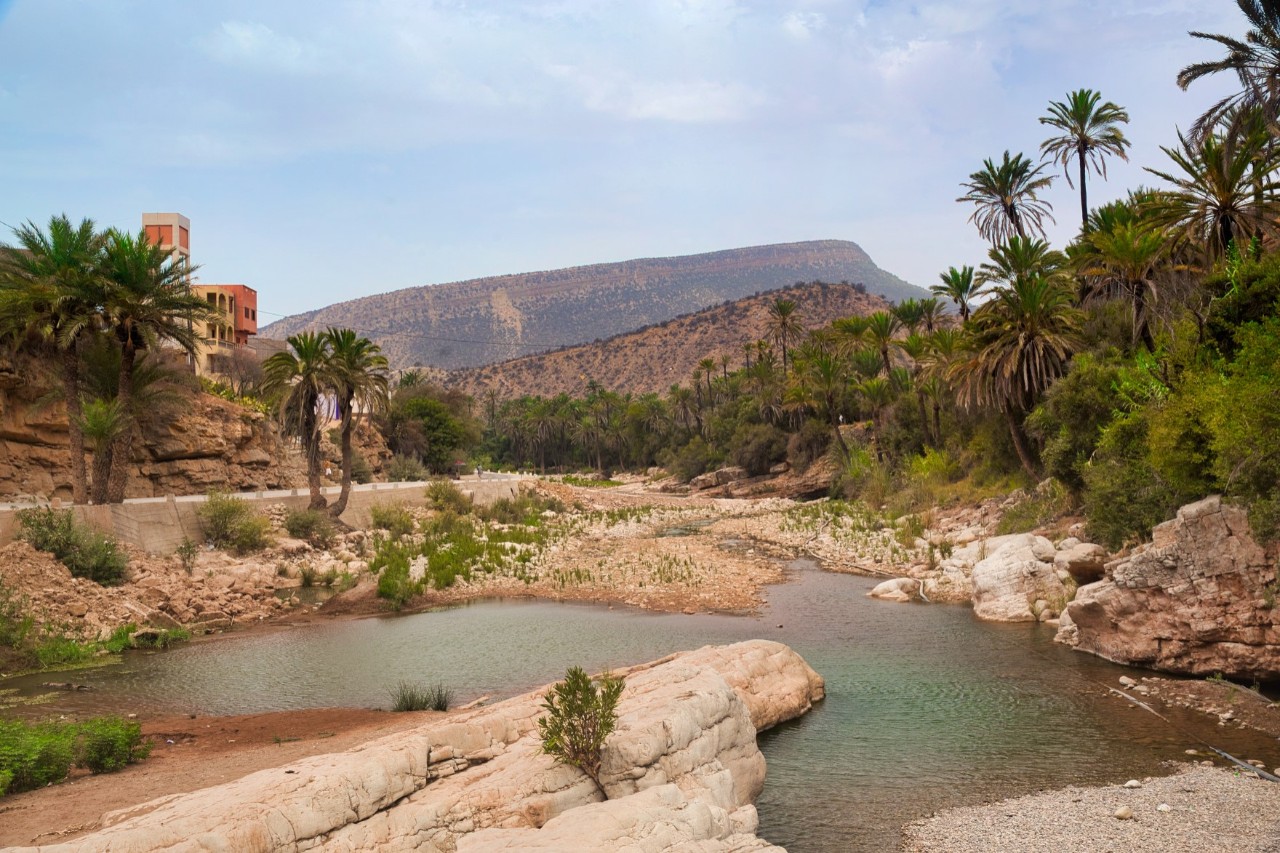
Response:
column 1164, row 807
column 1124, row 813
column 1133, row 783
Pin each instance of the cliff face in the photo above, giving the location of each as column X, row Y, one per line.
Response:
column 480, row 321
column 1198, row 600
column 654, row 358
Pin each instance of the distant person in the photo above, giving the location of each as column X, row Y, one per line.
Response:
column 479, row 472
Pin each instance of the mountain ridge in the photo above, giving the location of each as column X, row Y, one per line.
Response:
column 480, row 321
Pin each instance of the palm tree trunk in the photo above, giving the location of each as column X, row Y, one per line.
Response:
column 924, row 417
column 1084, row 198
column 311, row 448
column 937, row 421
column 1141, row 328
column 1020, row 445
column 75, row 431
column 120, row 452
column 348, row 427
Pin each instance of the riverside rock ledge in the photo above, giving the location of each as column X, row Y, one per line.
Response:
column 682, row 771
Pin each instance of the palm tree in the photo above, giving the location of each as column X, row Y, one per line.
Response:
column 147, row 300
column 959, row 286
column 50, row 290
column 1005, row 196
column 1123, row 261
column 878, row 393
column 1019, row 258
column 302, row 378
column 785, row 326
column 1254, row 60
column 1021, row 341
column 881, row 327
column 910, row 313
column 916, row 347
column 824, row 380
column 1225, row 191
column 358, row 370
column 932, row 312
column 1090, row 131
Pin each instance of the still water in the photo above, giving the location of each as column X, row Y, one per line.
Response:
column 926, row 707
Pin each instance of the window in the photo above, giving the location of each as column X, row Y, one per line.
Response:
column 246, row 313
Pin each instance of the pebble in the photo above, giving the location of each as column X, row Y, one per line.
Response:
column 1124, row 813
column 1133, row 783
column 1127, row 681
column 1164, row 807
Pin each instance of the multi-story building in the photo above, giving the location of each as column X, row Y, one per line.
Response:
column 226, row 337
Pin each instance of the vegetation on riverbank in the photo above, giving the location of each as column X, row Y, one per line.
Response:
column 33, row 755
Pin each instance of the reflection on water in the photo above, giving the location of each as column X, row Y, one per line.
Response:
column 926, row 707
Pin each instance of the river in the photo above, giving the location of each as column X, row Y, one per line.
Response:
column 926, row 706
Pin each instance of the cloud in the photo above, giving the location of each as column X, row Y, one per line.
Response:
column 802, row 25
column 257, row 46
column 684, row 101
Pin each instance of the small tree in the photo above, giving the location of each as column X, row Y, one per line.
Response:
column 581, row 713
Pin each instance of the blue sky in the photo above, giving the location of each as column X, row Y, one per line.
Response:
column 328, row 150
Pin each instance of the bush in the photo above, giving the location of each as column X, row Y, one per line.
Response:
column 391, row 563
column 411, row 696
column 525, row 508
column 313, row 525
column 758, row 447
column 1124, row 496
column 394, row 519
column 361, row 472
column 808, row 445
column 445, row 496
column 84, row 550
column 109, row 744
column 230, row 523
column 581, row 713
column 32, row 756
column 689, row 461
column 405, row 469
column 35, row 755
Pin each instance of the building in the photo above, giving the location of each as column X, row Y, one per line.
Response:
column 225, row 339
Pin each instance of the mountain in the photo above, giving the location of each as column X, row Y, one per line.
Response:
column 483, row 320
column 654, row 358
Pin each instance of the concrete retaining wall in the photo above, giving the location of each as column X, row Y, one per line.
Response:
column 158, row 525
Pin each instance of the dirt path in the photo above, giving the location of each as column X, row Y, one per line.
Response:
column 188, row 754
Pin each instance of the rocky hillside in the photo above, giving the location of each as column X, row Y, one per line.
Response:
column 476, row 322
column 654, row 358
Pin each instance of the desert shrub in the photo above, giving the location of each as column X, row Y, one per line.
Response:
column 525, row 508
column 411, row 696
column 1036, row 509
column 758, row 447
column 581, row 713
column 394, row 519
column 84, row 550
column 361, row 472
column 108, row 744
column 32, row 756
column 865, row 478
column 230, row 523
column 313, row 525
column 808, row 444
column 689, row 461
column 391, row 563
column 187, row 553
column 444, row 495
column 405, row 469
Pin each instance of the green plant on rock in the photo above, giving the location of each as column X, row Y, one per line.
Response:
column 445, row 496
column 229, row 522
column 313, row 525
column 412, row 696
column 187, row 552
column 394, row 519
column 84, row 550
column 581, row 714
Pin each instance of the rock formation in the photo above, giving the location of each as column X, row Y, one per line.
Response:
column 681, row 771
column 1199, row 599
column 1016, row 581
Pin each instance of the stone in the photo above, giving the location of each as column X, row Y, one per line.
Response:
column 681, row 769
column 1133, row 783
column 1164, row 807
column 1127, row 681
column 1192, row 601
column 1011, row 577
column 899, row 589
column 1085, row 562
column 1123, row 813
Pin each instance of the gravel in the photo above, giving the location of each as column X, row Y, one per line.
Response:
column 1210, row 809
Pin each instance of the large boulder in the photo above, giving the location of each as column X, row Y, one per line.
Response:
column 682, row 768
column 1199, row 599
column 1016, row 580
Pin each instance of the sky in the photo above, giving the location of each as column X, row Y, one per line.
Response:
column 327, row 150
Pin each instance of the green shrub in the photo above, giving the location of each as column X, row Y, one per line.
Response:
column 1070, row 419
column 525, row 508
column 313, row 525
column 108, row 744
column 187, row 553
column 391, row 563
column 32, row 756
column 445, row 496
column 361, row 472
column 1124, row 496
column 689, row 461
column 405, row 469
column 411, row 696
column 808, row 445
column 1035, row 510
column 581, row 713
column 758, row 447
column 394, row 518
column 84, row 550
column 230, row 523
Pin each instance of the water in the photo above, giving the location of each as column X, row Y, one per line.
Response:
column 926, row 707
